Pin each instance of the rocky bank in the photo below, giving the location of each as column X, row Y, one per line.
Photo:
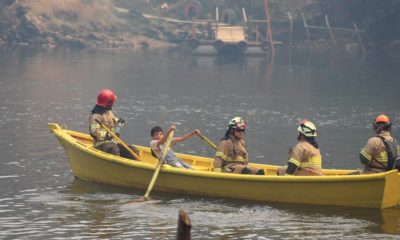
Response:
column 141, row 24
column 83, row 24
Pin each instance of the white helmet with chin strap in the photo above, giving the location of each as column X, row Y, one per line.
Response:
column 237, row 123
column 307, row 128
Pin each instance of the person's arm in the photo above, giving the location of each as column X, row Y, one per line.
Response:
column 220, row 156
column 95, row 130
column 186, row 136
column 366, row 153
column 294, row 160
column 218, row 162
column 291, row 168
column 164, row 138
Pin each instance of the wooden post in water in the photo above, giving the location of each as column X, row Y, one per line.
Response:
column 244, row 15
column 193, row 31
column 257, row 34
column 290, row 39
column 330, row 30
column 184, row 226
column 216, row 23
column 306, row 27
column 359, row 38
column 290, row 29
column 245, row 26
column 269, row 31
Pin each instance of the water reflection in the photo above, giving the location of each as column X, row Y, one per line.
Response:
column 218, row 217
column 381, row 221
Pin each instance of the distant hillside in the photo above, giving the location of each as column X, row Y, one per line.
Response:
column 76, row 24
column 128, row 23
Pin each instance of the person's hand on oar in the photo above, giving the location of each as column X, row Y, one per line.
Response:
column 119, row 140
column 158, row 168
column 157, row 144
column 206, row 140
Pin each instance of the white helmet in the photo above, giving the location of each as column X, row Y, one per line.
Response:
column 237, row 122
column 307, row 128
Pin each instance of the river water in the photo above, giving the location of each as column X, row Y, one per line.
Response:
column 40, row 199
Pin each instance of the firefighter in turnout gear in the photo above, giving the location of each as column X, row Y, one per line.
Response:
column 102, row 112
column 305, row 158
column 382, row 151
column 232, row 155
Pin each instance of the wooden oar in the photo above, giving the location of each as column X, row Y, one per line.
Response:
column 207, row 141
column 160, row 163
column 119, row 140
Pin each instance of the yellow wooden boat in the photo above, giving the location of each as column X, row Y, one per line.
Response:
column 335, row 188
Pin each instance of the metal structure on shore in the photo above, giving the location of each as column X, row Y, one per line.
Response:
column 225, row 37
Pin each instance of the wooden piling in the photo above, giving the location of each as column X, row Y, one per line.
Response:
column 306, row 27
column 244, row 15
column 359, row 38
column 290, row 39
column 269, row 31
column 290, row 29
column 330, row 30
column 184, row 226
column 257, row 35
column 245, row 23
column 193, row 31
column 216, row 22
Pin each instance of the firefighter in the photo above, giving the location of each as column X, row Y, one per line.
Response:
column 102, row 112
column 232, row 155
column 305, row 158
column 382, row 151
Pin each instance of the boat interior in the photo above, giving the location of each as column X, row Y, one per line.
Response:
column 197, row 162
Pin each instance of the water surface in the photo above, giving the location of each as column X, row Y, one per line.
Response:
column 40, row 199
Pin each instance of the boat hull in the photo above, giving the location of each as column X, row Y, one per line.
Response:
column 366, row 191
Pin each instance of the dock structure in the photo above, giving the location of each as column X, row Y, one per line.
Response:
column 226, row 38
column 353, row 32
column 222, row 34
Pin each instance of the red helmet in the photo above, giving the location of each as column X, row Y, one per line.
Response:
column 382, row 122
column 382, row 119
column 106, row 98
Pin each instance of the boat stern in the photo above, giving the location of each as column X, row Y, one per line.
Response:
column 391, row 194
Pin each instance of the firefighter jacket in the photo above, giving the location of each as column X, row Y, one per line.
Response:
column 307, row 158
column 100, row 135
column 230, row 151
column 375, row 156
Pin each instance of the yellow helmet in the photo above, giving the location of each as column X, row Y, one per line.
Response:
column 307, row 128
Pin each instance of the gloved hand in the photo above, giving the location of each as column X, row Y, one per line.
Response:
column 118, row 125
column 108, row 136
column 117, row 130
column 120, row 121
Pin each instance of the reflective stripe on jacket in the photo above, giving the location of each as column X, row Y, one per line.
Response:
column 232, row 150
column 375, row 151
column 99, row 134
column 305, row 155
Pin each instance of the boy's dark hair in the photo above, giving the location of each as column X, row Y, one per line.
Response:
column 155, row 129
